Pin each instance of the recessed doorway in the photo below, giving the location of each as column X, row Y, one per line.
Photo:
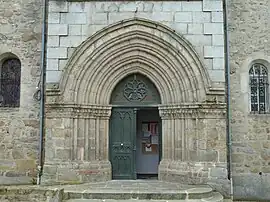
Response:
column 135, row 129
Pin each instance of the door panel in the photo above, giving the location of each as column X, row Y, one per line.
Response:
column 122, row 147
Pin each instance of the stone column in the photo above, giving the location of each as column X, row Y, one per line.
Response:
column 180, row 132
column 170, row 133
column 104, row 138
column 166, row 138
column 173, row 133
column 193, row 142
column 77, row 145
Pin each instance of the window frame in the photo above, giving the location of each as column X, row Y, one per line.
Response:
column 262, row 64
column 3, row 58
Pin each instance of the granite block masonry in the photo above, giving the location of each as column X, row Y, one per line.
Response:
column 20, row 37
column 250, row 131
column 201, row 22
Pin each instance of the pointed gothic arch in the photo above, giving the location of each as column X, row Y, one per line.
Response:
column 134, row 46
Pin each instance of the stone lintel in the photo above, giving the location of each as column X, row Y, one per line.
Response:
column 62, row 110
column 192, row 110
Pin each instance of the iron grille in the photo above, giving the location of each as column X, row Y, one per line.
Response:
column 10, row 83
column 258, row 77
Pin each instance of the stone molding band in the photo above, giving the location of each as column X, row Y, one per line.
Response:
column 77, row 111
column 192, row 111
column 174, row 111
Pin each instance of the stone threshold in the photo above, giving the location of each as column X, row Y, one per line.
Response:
column 216, row 198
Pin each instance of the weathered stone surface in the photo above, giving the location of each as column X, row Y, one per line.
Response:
column 21, row 36
column 31, row 194
column 251, row 186
column 196, row 173
column 249, row 41
column 67, row 175
column 74, row 172
column 265, row 154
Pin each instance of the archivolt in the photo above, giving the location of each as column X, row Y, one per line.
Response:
column 134, row 46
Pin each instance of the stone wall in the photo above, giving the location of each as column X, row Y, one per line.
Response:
column 200, row 22
column 20, row 36
column 30, row 193
column 249, row 41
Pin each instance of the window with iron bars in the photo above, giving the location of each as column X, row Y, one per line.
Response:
column 258, row 77
column 10, row 83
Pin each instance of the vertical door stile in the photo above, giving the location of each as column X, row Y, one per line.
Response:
column 134, row 142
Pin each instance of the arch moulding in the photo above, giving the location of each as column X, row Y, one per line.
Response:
column 131, row 46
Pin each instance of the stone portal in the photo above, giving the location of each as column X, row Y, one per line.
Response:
column 191, row 111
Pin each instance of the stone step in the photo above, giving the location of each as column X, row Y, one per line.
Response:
column 114, row 191
column 195, row 193
column 216, row 197
column 139, row 190
column 205, row 193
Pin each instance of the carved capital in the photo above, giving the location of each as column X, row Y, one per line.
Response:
column 78, row 111
column 192, row 110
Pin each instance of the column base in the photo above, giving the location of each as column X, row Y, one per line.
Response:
column 75, row 172
column 196, row 173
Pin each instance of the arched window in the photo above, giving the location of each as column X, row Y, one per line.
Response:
column 258, row 76
column 10, row 83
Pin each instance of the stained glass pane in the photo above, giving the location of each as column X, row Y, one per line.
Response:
column 253, row 91
column 262, row 107
column 251, row 71
column 254, row 99
column 264, row 71
column 10, row 83
column 257, row 69
column 254, row 107
column 253, row 82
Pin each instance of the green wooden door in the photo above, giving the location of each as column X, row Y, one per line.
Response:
column 122, row 143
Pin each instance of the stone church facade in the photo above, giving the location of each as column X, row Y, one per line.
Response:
column 108, row 63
